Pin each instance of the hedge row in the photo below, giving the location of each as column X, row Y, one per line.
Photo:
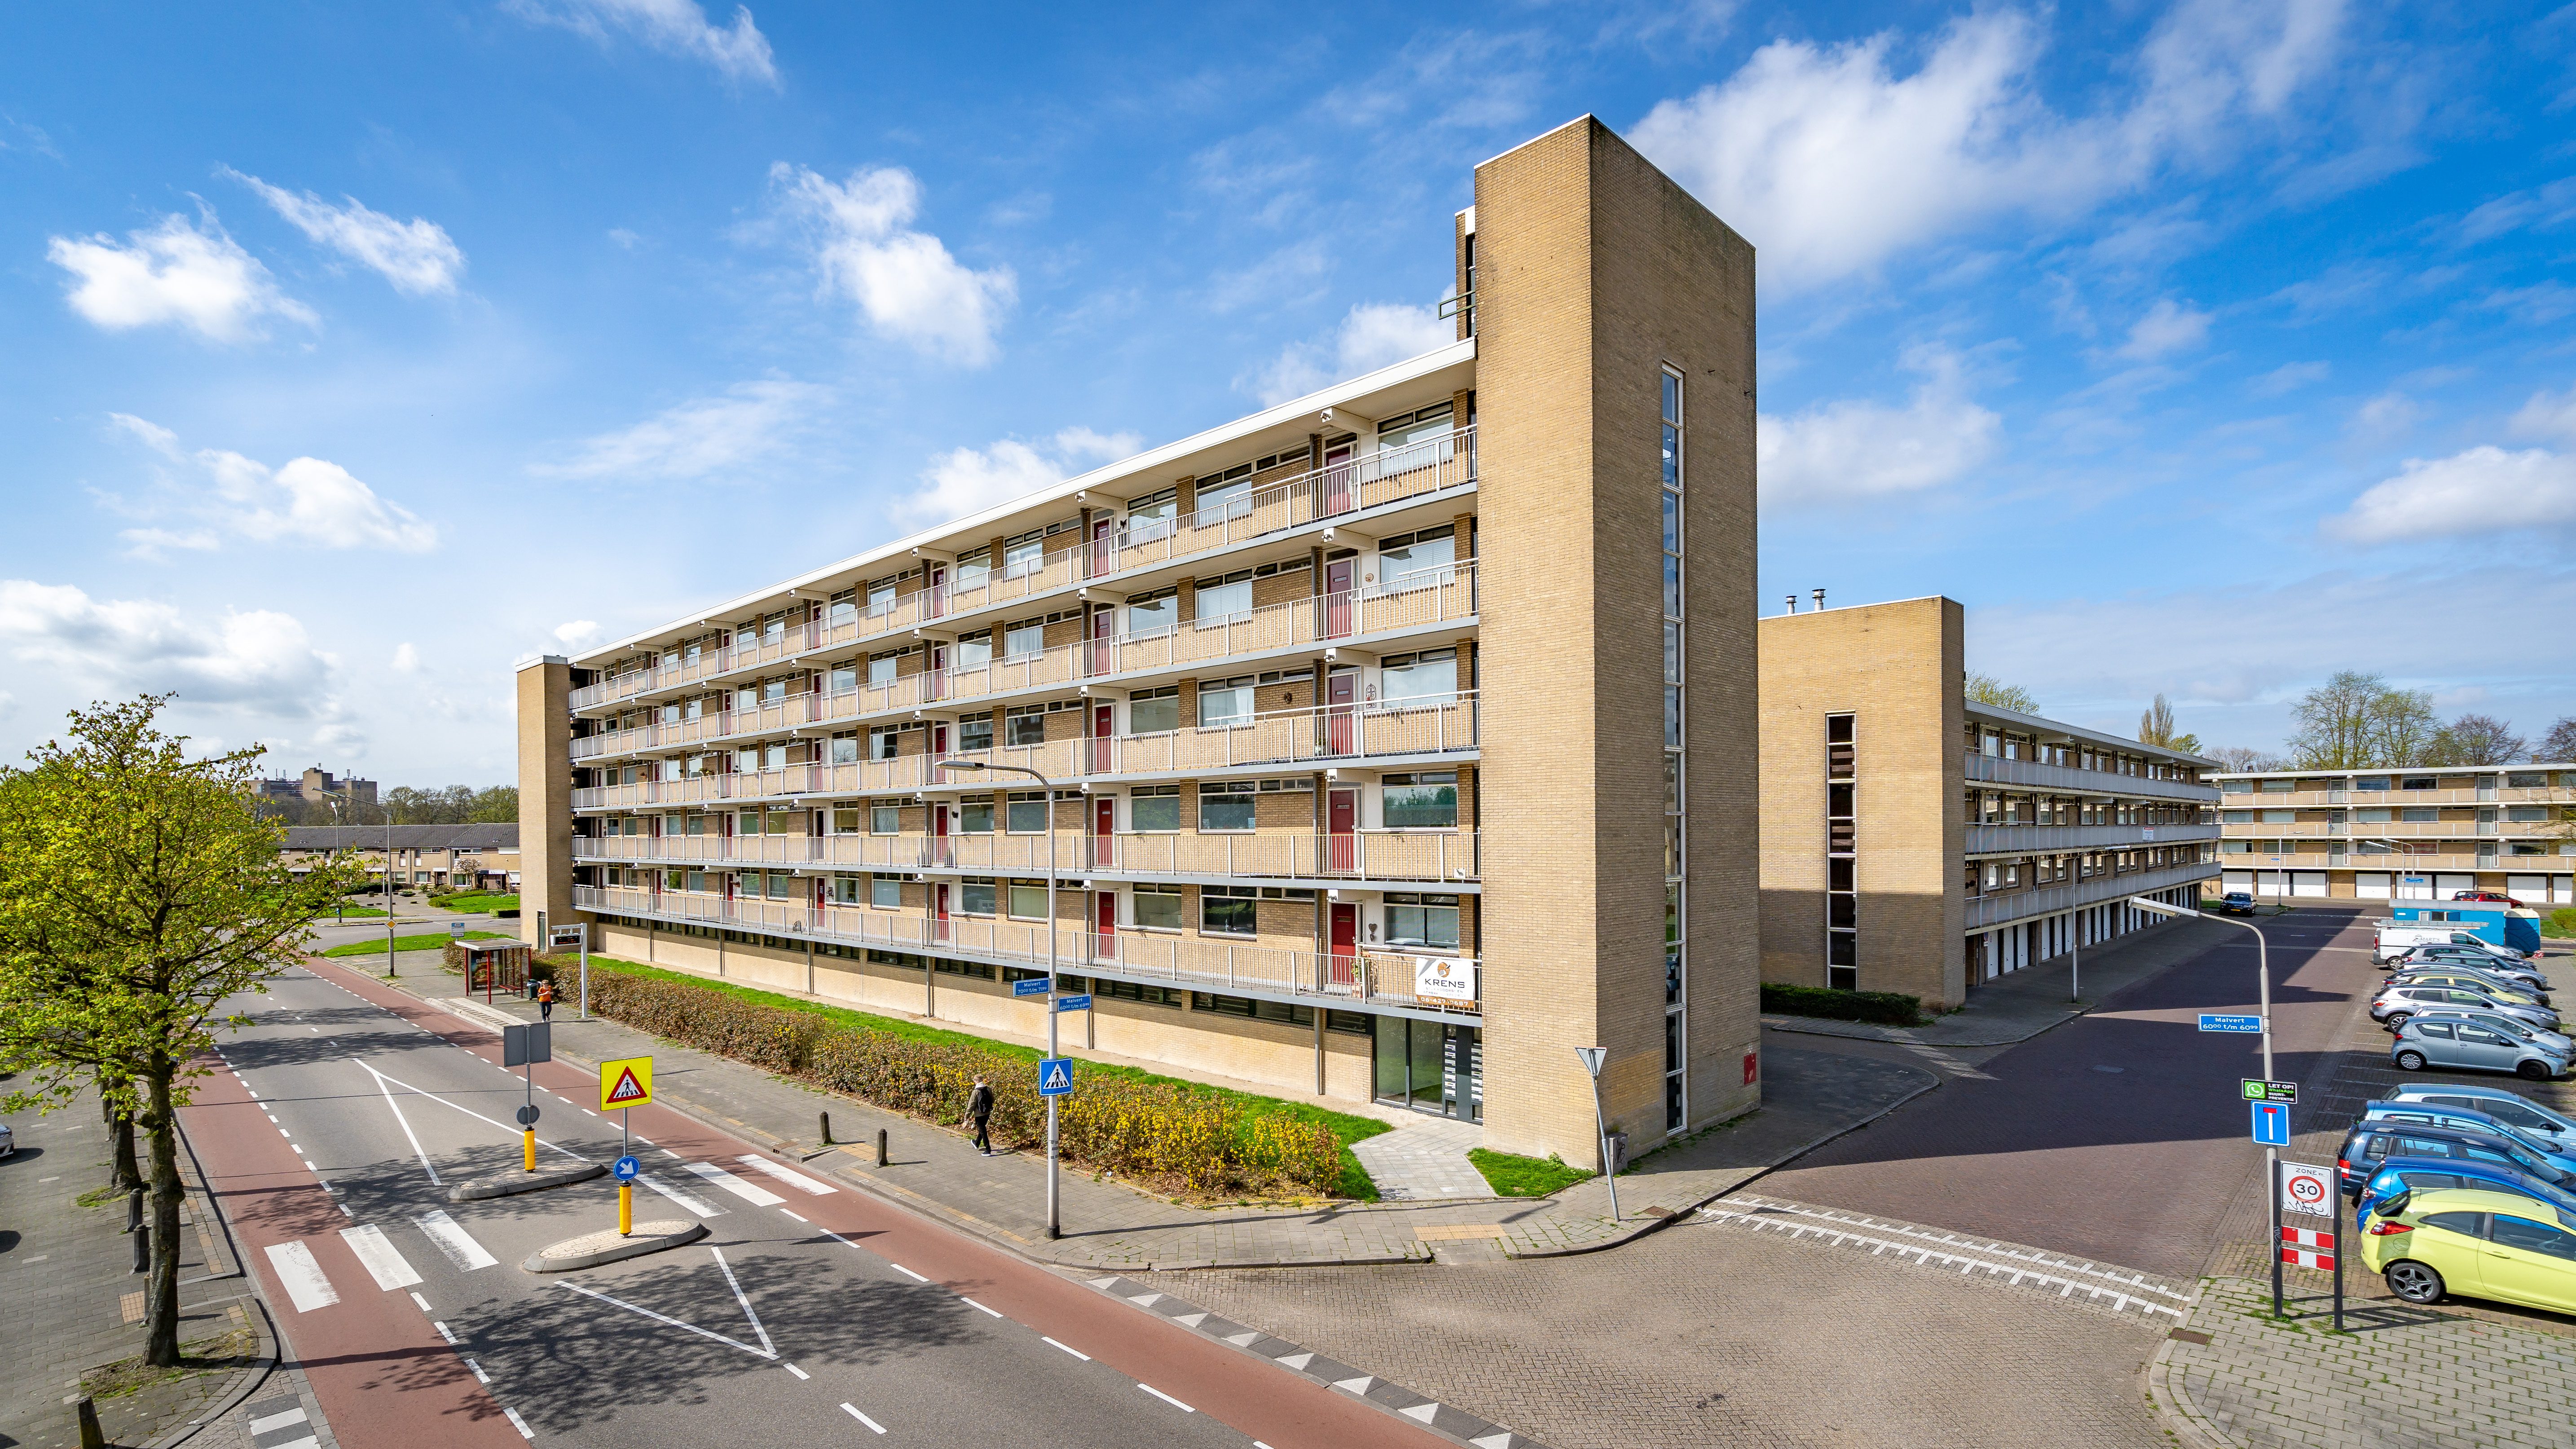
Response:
column 1205, row 1144
column 1888, row 1008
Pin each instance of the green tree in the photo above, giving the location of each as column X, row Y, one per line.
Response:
column 496, row 806
column 2156, row 727
column 2335, row 723
column 2404, row 730
column 1986, row 689
column 138, row 894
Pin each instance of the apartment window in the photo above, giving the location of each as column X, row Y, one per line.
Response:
column 1028, row 812
column 881, row 596
column 975, row 651
column 885, row 892
column 1224, row 598
column 1024, row 555
column 1426, row 800
column 974, row 570
column 842, row 890
column 885, row 818
column 975, row 732
column 1155, row 613
column 781, row 886
column 883, row 741
column 843, row 608
column 1154, row 711
column 1223, row 495
column 975, row 815
column 1226, row 806
column 1246, row 1007
column 845, row 747
column 1225, row 701
column 1154, row 807
column 1158, row 908
column 1429, row 677
column 1025, row 725
column 1842, row 901
column 1676, row 832
column 975, row 897
column 1427, row 923
column 1150, row 517
column 1029, row 900
column 2416, row 782
column 1228, row 910
column 1131, row 991
column 1434, row 421
column 1412, row 560
column 881, row 667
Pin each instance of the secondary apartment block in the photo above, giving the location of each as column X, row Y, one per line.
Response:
column 1388, row 736
column 483, row 857
column 1916, row 841
column 2416, row 834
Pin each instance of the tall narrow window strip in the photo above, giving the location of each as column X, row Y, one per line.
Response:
column 1676, row 745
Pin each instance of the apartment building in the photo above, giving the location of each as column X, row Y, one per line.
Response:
column 2424, row 833
column 424, row 857
column 1378, row 745
column 1918, row 842
column 315, row 786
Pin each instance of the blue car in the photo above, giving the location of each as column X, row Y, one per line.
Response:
column 2373, row 1141
column 2511, row 1108
column 2402, row 1177
column 2467, row 1119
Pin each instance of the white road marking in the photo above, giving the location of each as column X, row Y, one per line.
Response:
column 785, row 1213
column 978, row 1307
column 282, row 1132
column 479, row 1376
column 907, row 1272
column 2016, row 1267
column 702, row 1209
column 745, row 1302
column 1068, row 1348
column 423, row 1302
column 344, row 1209
column 1166, row 1398
column 305, row 1282
column 278, row 1420
column 864, row 1419
column 793, row 1179
column 756, row 1196
column 800, row 1373
column 457, row 1244
column 444, row 1332
column 511, row 1131
column 377, row 1253
column 666, row 1318
column 381, row 1084
column 520, row 1424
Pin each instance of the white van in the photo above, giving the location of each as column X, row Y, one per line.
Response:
column 2395, row 941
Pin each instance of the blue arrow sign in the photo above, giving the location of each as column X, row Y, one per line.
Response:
column 2209, row 1022
column 1074, row 1003
column 1029, row 986
column 627, row 1168
column 2272, row 1123
column 1055, row 1077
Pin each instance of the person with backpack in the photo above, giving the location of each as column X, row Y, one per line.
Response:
column 979, row 1110
column 546, row 1000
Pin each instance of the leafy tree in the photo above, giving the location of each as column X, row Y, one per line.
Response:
column 2404, row 730
column 2478, row 739
column 138, row 893
column 2335, row 723
column 2559, row 745
column 2156, row 727
column 498, row 805
column 1986, row 689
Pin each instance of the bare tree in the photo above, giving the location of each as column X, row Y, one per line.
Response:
column 2156, row 727
column 2241, row 760
column 1986, row 689
column 2404, row 730
column 2335, row 730
column 2479, row 739
column 2559, row 745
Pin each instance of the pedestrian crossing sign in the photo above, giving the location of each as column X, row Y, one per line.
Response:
column 627, row 1082
column 1055, row 1077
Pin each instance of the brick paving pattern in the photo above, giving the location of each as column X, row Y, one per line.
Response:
column 1423, row 1160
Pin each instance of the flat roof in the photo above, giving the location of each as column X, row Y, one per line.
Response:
column 2394, row 770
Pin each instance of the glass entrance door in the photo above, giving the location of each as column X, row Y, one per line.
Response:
column 1431, row 1066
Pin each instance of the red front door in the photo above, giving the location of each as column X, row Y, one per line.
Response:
column 1341, row 824
column 937, row 603
column 1104, row 725
column 939, row 911
column 936, row 686
column 1338, row 597
column 1346, row 944
column 939, row 844
column 1338, row 490
column 1104, row 825
column 1104, row 944
column 1103, row 548
column 1103, row 652
column 1341, row 692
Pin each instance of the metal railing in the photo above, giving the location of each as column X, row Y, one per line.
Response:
column 1380, row 978
column 1390, row 475
column 1992, row 839
column 1444, row 724
column 1443, row 855
column 1987, row 911
column 1995, row 769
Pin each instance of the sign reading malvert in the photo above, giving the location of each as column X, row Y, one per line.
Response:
column 1438, row 978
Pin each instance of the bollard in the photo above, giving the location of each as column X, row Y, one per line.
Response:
column 827, row 1127
column 528, row 1150
column 86, row 1414
column 881, row 1147
column 625, row 1209
column 142, row 1246
column 134, row 1210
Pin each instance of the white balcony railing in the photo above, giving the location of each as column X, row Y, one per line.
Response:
column 1402, row 855
column 1988, row 911
column 1995, row 769
column 1443, row 725
column 1390, row 475
column 2042, row 839
column 1327, row 979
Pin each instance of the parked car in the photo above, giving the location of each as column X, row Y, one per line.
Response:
column 2511, row 1108
column 2401, row 999
column 2394, row 1179
column 2550, row 1042
column 2474, row 1242
column 2394, row 940
column 8, row 1141
column 2371, row 1144
column 2467, row 960
column 2236, row 903
column 2499, row 897
column 2436, row 1043
column 2470, row 1119
column 2469, row 979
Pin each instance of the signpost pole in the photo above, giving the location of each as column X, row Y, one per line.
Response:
column 2272, row 1174
column 2337, row 1239
column 528, row 1134
column 625, row 1190
column 1046, row 791
column 1592, row 1058
column 585, row 972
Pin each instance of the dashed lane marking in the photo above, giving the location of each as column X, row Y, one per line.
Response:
column 853, row 1412
column 800, row 1373
column 1068, row 1348
column 978, row 1307
column 520, row 1424
column 480, row 1377
column 1166, row 1398
column 907, row 1272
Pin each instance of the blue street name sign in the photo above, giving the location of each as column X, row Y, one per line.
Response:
column 1030, row 986
column 627, row 1168
column 1055, row 1077
column 1074, row 1003
column 2209, row 1022
column 2272, row 1123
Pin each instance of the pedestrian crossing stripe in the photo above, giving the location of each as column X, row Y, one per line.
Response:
column 627, row 1082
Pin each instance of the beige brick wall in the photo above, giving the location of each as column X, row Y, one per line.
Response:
column 1896, row 669
column 544, row 691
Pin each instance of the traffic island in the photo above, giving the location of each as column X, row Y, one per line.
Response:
column 517, row 1182
column 609, row 1246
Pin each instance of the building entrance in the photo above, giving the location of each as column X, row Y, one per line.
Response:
column 1431, row 1066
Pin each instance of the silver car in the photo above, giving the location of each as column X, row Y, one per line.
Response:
column 2446, row 974
column 2399, row 1000
column 2547, row 1040
column 2460, row 1044
column 2478, row 961
column 2508, row 1107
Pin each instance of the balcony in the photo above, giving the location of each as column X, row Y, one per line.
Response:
column 2312, row 799
column 1330, row 735
column 1985, row 912
column 1434, row 596
column 1393, row 475
column 2045, row 839
column 1411, row 856
column 1375, row 980
column 1994, row 769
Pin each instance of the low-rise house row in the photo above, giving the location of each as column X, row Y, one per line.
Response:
column 2423, row 833
column 425, row 857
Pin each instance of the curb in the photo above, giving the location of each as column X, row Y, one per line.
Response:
column 2174, row 1408
column 508, row 1186
column 1903, row 1036
column 246, row 1383
column 635, row 1246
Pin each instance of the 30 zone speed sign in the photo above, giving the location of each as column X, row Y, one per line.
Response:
column 2304, row 1189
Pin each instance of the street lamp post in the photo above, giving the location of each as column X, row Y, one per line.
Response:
column 1054, row 1222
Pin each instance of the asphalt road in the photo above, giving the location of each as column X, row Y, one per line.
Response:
column 808, row 1315
column 2120, row 1136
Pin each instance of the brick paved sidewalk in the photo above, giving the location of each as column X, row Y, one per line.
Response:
column 1809, row 1098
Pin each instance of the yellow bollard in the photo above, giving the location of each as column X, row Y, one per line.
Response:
column 625, row 1209
column 528, row 1150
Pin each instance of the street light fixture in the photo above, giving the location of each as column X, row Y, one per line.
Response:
column 1054, row 1222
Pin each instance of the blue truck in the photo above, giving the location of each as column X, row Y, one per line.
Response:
column 2515, row 926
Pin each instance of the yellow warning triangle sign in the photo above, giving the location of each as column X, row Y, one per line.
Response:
column 627, row 1089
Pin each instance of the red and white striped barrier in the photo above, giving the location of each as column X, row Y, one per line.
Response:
column 2307, row 1248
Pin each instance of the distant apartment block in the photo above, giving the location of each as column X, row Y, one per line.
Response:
column 2415, row 834
column 316, row 785
column 1918, row 842
column 1388, row 737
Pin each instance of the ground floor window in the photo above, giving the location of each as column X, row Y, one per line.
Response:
column 1431, row 1066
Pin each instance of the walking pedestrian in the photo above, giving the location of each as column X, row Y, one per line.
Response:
column 979, row 1108
column 546, row 1000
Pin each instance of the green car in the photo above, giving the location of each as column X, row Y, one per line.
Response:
column 2480, row 1244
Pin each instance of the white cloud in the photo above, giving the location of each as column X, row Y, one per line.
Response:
column 1373, row 335
column 904, row 281
column 1856, row 449
column 966, row 481
column 257, row 660
column 577, row 632
column 2482, row 490
column 2548, row 416
column 2289, row 377
column 406, row 658
column 1832, row 163
column 2168, row 327
column 2540, row 208
column 308, row 501
column 417, row 256
column 174, row 272
column 747, row 423
column 674, row 27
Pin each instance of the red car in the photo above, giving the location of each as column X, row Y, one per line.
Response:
column 2497, row 896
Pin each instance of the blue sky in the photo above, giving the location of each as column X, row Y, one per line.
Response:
column 353, row 353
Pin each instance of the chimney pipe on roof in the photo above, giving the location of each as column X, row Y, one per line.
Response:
column 1793, row 603
column 1820, row 601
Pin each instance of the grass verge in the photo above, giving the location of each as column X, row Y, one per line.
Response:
column 1512, row 1175
column 1354, row 1182
column 407, row 943
column 352, row 912
column 475, row 903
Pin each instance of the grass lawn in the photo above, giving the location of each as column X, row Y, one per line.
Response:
column 1354, row 1183
column 1512, row 1175
column 476, row 902
column 408, row 943
column 352, row 912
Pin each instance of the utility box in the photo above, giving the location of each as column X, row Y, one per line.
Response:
column 2492, row 921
